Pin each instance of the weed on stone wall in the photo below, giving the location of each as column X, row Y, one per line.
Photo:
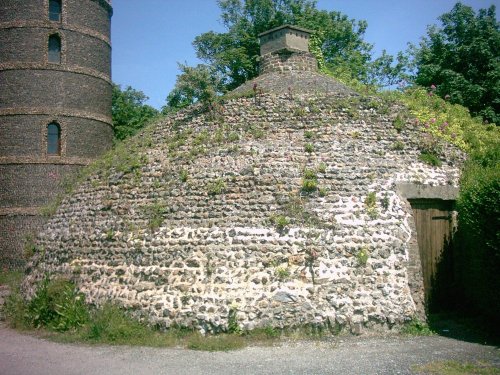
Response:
column 398, row 146
column 430, row 159
column 398, row 123
column 280, row 221
column 321, row 168
column 183, row 175
column 309, row 148
column 309, row 134
column 371, row 205
column 282, row 273
column 362, row 256
column 155, row 214
column 216, row 187
column 309, row 181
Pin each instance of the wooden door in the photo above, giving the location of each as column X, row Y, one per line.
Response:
column 434, row 223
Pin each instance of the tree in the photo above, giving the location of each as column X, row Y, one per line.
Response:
column 462, row 60
column 234, row 54
column 387, row 71
column 194, row 84
column 129, row 111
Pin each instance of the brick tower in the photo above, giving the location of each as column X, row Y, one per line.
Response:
column 55, row 106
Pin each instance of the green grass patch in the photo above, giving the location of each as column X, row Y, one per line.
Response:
column 416, row 328
column 457, row 368
column 222, row 342
column 430, row 159
column 12, row 278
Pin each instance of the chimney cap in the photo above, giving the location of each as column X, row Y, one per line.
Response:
column 286, row 27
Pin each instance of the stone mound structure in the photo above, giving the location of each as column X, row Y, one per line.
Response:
column 272, row 210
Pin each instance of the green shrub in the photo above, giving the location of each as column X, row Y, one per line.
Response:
column 321, row 168
column 57, row 305
column 309, row 148
column 478, row 208
column 15, row 310
column 256, row 132
column 110, row 324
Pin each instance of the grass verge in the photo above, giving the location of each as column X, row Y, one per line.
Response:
column 456, row 368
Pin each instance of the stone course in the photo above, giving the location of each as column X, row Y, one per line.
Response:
column 205, row 215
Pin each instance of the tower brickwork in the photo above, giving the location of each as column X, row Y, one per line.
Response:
column 55, row 106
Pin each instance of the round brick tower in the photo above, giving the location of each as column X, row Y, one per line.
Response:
column 55, row 106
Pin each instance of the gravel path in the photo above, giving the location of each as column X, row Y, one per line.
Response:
column 26, row 355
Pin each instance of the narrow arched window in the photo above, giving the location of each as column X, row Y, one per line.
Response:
column 55, row 8
column 53, row 139
column 55, row 49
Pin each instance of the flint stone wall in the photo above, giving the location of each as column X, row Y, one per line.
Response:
column 191, row 233
column 287, row 61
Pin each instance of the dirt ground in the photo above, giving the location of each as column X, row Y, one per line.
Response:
column 26, row 354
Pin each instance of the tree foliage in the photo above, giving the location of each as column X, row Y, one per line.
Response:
column 462, row 60
column 129, row 111
column 194, row 84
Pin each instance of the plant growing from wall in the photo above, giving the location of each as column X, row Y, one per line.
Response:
column 385, row 202
column 371, row 205
column 362, row 256
column 398, row 146
column 312, row 254
column 282, row 273
column 154, row 214
column 280, row 221
column 430, row 149
column 232, row 321
column 209, row 268
column 309, row 148
column 299, row 112
column 233, row 137
column 398, row 123
column 183, row 175
column 309, row 181
column 216, row 187
column 309, row 134
column 430, row 159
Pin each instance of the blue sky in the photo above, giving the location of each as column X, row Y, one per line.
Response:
column 150, row 36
